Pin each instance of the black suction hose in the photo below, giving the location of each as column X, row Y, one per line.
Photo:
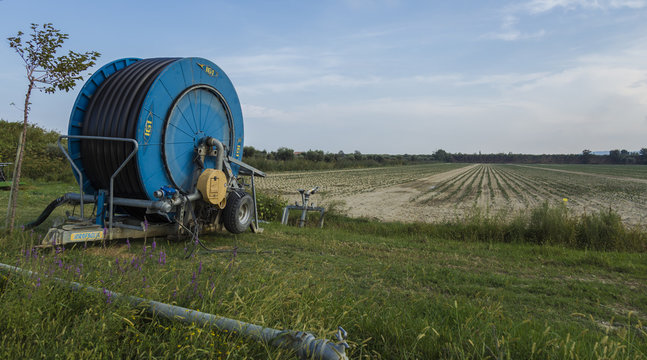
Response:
column 46, row 213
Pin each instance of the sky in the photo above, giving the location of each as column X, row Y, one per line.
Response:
column 379, row 76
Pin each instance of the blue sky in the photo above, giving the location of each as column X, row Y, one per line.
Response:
column 380, row 76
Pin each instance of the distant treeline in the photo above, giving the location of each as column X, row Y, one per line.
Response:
column 287, row 159
column 43, row 159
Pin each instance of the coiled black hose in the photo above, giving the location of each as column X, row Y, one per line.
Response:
column 113, row 111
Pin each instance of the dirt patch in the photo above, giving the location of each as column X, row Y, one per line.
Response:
column 394, row 203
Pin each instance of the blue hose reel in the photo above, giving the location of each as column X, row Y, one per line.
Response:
column 167, row 105
column 181, row 118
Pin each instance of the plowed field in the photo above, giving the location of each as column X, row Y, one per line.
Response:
column 438, row 192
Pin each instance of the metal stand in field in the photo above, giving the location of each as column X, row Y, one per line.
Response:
column 3, row 177
column 304, row 207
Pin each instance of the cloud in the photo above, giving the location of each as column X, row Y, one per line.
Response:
column 542, row 6
column 363, row 4
column 632, row 4
column 509, row 28
column 597, row 102
column 309, row 83
column 262, row 112
column 293, row 70
column 509, row 31
column 285, row 62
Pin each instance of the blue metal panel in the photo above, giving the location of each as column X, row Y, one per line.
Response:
column 192, row 98
column 101, row 208
column 80, row 107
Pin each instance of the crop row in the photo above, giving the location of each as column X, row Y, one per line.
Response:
column 349, row 181
column 510, row 187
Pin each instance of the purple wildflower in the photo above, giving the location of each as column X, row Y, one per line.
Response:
column 128, row 243
column 108, row 295
column 38, row 282
column 145, row 224
column 153, row 245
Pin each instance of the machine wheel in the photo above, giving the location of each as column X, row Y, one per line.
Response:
column 238, row 212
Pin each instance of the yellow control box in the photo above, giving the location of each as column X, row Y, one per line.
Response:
column 212, row 184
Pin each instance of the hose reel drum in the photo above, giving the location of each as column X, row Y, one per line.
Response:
column 161, row 140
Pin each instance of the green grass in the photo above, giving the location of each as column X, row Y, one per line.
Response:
column 401, row 291
column 33, row 197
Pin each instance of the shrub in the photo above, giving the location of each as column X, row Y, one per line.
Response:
column 544, row 225
column 270, row 207
column 551, row 225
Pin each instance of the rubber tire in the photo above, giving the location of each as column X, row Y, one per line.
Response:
column 238, row 212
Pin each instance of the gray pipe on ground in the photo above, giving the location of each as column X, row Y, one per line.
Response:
column 306, row 345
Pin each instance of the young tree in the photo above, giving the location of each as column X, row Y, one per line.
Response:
column 45, row 72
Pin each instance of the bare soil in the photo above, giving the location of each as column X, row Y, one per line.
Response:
column 497, row 190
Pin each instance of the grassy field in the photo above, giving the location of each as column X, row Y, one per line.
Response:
column 399, row 290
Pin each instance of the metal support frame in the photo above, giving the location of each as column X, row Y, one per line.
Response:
column 246, row 169
column 3, row 177
column 304, row 207
column 255, row 207
column 112, row 178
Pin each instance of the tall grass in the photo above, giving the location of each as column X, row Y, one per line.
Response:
column 543, row 225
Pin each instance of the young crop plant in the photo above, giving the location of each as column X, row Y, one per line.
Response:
column 499, row 183
column 489, row 182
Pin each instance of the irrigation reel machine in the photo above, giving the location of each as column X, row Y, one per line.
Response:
column 156, row 145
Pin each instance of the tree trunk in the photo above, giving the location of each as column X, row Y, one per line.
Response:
column 15, row 181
